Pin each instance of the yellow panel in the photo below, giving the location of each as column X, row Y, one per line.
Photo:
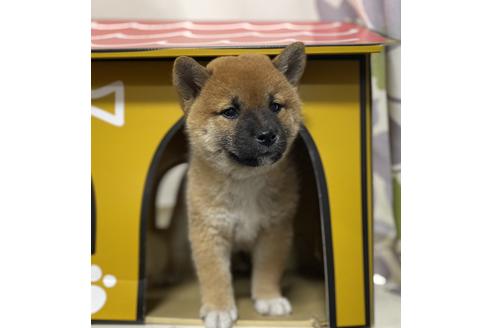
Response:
column 330, row 92
column 318, row 50
column 121, row 157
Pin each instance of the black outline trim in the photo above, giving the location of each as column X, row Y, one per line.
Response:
column 363, row 154
column 93, row 219
column 323, row 199
column 150, row 183
column 325, row 215
column 370, row 245
column 353, row 57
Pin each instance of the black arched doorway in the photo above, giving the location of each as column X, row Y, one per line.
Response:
column 174, row 142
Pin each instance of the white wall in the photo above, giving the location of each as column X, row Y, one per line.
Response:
column 292, row 10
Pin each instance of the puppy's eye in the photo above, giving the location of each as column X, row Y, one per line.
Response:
column 230, row 113
column 275, row 107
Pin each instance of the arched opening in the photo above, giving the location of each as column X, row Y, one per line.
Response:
column 309, row 280
column 314, row 178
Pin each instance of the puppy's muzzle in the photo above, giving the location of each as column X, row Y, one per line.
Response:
column 267, row 138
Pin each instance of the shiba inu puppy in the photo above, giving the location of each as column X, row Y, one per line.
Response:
column 242, row 116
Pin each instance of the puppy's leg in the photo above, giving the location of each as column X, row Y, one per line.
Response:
column 211, row 251
column 269, row 259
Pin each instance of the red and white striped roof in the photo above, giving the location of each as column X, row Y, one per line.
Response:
column 128, row 35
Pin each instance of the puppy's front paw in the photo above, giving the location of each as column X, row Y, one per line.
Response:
column 218, row 319
column 273, row 306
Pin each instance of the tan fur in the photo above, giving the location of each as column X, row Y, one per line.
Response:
column 232, row 206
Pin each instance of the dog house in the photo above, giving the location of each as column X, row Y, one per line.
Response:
column 137, row 136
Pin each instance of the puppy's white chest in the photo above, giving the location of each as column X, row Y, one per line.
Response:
column 246, row 212
column 247, row 222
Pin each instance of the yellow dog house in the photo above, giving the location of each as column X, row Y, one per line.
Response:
column 137, row 121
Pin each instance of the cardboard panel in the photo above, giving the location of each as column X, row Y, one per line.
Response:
column 330, row 91
column 132, row 116
column 121, row 155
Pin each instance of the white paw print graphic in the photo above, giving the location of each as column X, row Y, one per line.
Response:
column 98, row 293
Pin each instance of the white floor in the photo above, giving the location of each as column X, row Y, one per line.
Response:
column 387, row 309
column 387, row 312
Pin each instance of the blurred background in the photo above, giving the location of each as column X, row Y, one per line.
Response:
column 382, row 16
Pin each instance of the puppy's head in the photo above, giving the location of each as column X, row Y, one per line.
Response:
column 242, row 112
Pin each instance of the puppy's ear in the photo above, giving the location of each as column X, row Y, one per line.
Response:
column 291, row 62
column 189, row 77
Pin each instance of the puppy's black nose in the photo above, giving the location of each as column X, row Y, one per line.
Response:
column 266, row 138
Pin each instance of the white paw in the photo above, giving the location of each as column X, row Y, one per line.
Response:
column 98, row 294
column 274, row 306
column 218, row 319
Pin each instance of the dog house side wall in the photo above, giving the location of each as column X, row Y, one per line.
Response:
column 336, row 96
column 142, row 107
column 122, row 154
